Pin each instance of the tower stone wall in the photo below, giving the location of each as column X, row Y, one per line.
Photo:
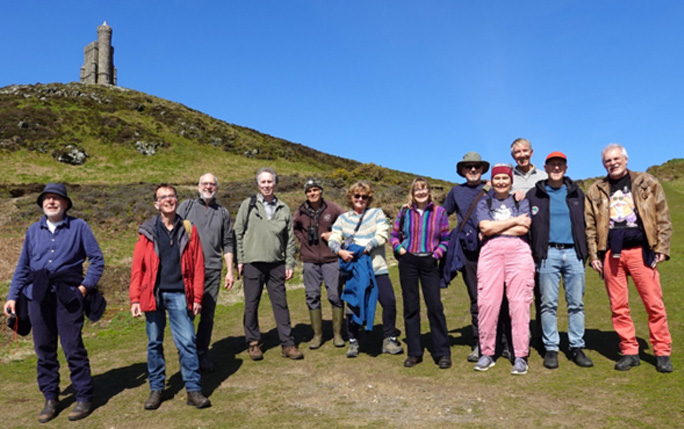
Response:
column 98, row 62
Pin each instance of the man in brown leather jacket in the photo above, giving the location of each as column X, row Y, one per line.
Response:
column 628, row 233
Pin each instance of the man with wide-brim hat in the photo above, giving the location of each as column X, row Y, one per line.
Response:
column 49, row 275
column 462, row 200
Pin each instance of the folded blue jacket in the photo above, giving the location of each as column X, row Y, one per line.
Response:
column 360, row 289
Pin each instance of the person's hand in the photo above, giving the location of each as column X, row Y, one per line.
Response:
column 524, row 220
column 135, row 310
column 402, row 251
column 326, row 235
column 288, row 273
column 230, row 279
column 83, row 290
column 196, row 308
column 239, row 268
column 519, row 195
column 346, row 255
column 660, row 257
column 597, row 265
column 10, row 307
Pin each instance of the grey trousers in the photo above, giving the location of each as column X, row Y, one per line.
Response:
column 328, row 274
column 273, row 276
column 212, row 280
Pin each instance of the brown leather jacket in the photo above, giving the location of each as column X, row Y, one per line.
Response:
column 651, row 208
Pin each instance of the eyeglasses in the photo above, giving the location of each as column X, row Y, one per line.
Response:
column 163, row 198
column 360, row 197
column 208, row 184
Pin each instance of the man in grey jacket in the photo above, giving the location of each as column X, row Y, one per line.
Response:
column 266, row 248
column 216, row 234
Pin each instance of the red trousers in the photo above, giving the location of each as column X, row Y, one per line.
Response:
column 647, row 282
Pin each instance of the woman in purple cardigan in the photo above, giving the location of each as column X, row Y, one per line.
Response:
column 420, row 238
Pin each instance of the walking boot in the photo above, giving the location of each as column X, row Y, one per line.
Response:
column 317, row 326
column 49, row 412
column 337, row 318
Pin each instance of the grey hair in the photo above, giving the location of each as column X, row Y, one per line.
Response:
column 199, row 182
column 267, row 170
column 521, row 141
column 611, row 146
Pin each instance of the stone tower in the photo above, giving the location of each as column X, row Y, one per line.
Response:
column 98, row 64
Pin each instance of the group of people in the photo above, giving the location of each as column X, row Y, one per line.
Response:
column 517, row 236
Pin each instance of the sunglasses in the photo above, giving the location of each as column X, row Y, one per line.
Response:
column 468, row 167
column 360, row 197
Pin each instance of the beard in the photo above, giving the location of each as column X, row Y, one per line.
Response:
column 207, row 195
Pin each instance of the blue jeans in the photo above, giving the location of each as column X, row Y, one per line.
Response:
column 562, row 262
column 183, row 333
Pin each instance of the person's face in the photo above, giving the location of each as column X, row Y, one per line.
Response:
column 502, row 183
column 472, row 172
column 167, row 201
column 614, row 163
column 313, row 195
column 421, row 194
column 207, row 187
column 360, row 200
column 54, row 206
column 522, row 154
column 266, row 184
column 556, row 168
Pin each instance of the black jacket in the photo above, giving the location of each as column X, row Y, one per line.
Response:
column 539, row 208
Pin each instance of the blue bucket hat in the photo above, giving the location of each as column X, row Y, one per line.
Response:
column 54, row 188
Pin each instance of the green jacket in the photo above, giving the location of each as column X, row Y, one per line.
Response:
column 265, row 240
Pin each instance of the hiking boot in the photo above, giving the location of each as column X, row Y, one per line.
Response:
column 392, row 346
column 205, row 364
column 292, row 352
column 484, row 363
column 255, row 351
column 519, row 367
column 580, row 358
column 444, row 362
column 49, row 411
column 80, row 411
column 551, row 359
column 664, row 364
column 317, row 325
column 353, row 349
column 474, row 355
column 412, row 361
column 154, row 401
column 626, row 362
column 337, row 318
column 197, row 400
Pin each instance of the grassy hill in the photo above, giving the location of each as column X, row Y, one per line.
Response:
column 112, row 190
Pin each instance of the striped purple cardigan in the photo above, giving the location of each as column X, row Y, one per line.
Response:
column 426, row 233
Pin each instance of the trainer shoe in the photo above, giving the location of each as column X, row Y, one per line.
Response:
column 664, row 364
column 392, row 346
column 353, row 349
column 474, row 355
column 551, row 359
column 626, row 362
column 519, row 367
column 484, row 363
column 580, row 358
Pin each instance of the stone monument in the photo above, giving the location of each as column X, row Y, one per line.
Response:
column 98, row 64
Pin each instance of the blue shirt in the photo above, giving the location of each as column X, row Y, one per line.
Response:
column 65, row 250
column 560, row 229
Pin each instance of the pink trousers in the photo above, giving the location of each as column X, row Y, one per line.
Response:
column 647, row 282
column 505, row 260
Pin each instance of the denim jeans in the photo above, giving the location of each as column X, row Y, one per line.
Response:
column 183, row 333
column 562, row 262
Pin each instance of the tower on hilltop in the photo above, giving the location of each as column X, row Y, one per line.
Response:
column 98, row 63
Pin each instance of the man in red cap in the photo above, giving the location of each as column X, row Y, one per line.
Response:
column 559, row 249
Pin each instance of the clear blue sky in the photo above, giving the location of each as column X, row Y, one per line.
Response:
column 409, row 85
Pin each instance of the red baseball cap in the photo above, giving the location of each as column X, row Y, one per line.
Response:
column 557, row 154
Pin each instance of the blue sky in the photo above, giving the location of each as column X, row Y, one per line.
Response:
column 409, row 85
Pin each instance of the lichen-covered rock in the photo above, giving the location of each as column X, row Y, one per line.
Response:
column 71, row 154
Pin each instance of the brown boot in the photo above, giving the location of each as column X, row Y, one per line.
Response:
column 49, row 411
column 292, row 352
column 81, row 410
column 197, row 400
column 317, row 326
column 255, row 351
column 337, row 319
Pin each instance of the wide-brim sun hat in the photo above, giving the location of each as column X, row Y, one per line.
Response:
column 472, row 158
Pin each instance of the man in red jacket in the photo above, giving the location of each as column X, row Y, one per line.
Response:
column 168, row 277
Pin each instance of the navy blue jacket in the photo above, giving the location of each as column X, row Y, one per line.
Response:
column 539, row 208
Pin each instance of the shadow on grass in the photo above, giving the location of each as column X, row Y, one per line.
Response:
column 110, row 384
